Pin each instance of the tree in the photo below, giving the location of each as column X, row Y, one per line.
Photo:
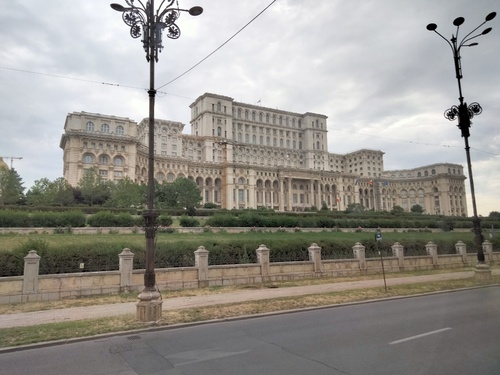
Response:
column 126, row 193
column 417, row 209
column 11, row 187
column 397, row 210
column 93, row 189
column 182, row 193
column 50, row 193
column 494, row 215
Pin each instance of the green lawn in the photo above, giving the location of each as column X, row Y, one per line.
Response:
column 9, row 242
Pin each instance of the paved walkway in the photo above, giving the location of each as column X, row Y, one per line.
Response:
column 178, row 303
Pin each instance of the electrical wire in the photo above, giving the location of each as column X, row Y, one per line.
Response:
column 218, row 48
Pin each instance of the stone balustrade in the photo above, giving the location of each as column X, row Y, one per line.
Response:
column 34, row 287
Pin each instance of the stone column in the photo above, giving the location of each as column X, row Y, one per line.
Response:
column 398, row 252
column 201, row 262
column 461, row 248
column 431, row 249
column 281, row 194
column 263, row 260
column 31, row 268
column 359, row 254
column 488, row 250
column 315, row 257
column 290, row 195
column 126, row 267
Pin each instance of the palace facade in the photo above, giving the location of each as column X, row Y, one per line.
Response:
column 247, row 156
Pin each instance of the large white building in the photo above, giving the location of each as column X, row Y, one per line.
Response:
column 248, row 156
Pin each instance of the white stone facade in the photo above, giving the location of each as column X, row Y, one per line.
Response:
column 248, row 156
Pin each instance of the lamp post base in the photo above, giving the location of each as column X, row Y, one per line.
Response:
column 149, row 307
column 482, row 272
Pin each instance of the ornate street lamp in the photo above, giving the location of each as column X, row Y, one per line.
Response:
column 146, row 22
column 464, row 113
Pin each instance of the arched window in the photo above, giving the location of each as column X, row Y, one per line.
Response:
column 170, row 177
column 90, row 126
column 239, row 112
column 246, row 115
column 219, row 107
column 267, row 118
column 433, row 171
column 118, row 161
column 104, row 128
column 103, row 160
column 260, row 116
column 253, row 116
column 88, row 159
column 119, row 130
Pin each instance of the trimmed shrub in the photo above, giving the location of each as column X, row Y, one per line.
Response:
column 109, row 219
column 188, row 221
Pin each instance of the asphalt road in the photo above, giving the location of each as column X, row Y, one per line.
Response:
column 451, row 333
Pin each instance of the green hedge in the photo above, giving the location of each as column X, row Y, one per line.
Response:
column 222, row 218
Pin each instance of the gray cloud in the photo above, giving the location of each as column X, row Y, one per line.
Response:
column 382, row 79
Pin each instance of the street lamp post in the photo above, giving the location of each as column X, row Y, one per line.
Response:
column 144, row 20
column 464, row 114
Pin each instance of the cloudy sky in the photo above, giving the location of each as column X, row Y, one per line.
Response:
column 382, row 79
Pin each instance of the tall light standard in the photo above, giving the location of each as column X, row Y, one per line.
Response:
column 144, row 20
column 465, row 113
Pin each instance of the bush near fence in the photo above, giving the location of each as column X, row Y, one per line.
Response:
column 101, row 255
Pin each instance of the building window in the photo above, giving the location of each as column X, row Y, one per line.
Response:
column 90, row 126
column 88, row 159
column 119, row 130
column 104, row 128
column 103, row 160
column 118, row 161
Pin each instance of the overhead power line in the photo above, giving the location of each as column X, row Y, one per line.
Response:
column 218, row 48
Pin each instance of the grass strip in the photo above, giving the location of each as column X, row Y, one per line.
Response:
column 10, row 337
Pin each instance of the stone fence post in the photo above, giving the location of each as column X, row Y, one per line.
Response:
column 359, row 254
column 488, row 250
column 263, row 260
column 31, row 268
column 398, row 252
column 315, row 257
column 432, row 250
column 201, row 262
column 461, row 248
column 126, row 266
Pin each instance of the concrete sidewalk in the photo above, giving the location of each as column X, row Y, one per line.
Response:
column 178, row 303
